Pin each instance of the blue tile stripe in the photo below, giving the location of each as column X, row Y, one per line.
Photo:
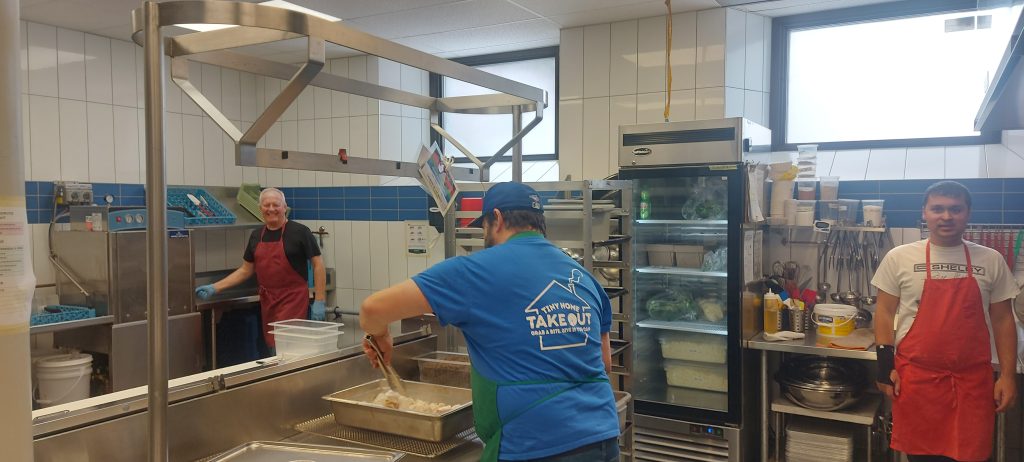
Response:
column 357, row 203
column 995, row 200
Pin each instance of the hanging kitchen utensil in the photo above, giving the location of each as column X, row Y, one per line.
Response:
column 390, row 376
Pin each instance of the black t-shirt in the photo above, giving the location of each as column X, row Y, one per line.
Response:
column 299, row 245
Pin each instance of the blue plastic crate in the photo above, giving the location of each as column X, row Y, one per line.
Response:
column 177, row 197
column 67, row 313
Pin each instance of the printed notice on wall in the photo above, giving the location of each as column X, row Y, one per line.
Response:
column 17, row 280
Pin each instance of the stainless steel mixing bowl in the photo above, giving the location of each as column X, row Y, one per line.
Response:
column 820, row 399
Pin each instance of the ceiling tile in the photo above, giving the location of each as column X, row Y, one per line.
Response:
column 443, row 18
column 350, row 9
column 632, row 11
column 550, row 8
column 473, row 51
column 781, row 8
column 481, row 37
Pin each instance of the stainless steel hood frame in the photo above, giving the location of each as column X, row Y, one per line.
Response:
column 265, row 24
column 1003, row 105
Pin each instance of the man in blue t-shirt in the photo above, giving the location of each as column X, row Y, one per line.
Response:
column 536, row 324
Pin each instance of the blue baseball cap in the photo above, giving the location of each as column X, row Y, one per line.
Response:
column 509, row 196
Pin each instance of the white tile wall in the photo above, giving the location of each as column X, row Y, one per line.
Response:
column 596, row 60
column 596, row 150
column 570, row 56
column 622, row 61
column 651, row 55
column 719, row 62
column 684, row 51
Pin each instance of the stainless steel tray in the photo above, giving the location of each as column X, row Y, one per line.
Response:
column 353, row 407
column 263, row 451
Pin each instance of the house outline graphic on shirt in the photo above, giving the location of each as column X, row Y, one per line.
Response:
column 570, row 288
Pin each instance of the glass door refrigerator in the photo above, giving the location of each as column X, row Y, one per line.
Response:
column 694, row 388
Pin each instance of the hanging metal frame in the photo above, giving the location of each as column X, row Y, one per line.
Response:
column 264, row 24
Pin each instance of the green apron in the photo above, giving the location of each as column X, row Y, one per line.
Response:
column 485, row 407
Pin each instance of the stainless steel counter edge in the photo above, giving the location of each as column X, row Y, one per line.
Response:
column 62, row 420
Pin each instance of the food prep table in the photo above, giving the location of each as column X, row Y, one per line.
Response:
column 863, row 413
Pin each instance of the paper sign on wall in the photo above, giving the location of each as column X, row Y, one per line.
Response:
column 17, row 281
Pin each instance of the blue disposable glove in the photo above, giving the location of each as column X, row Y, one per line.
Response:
column 205, row 292
column 317, row 312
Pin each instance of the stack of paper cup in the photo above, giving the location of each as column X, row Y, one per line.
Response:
column 781, row 191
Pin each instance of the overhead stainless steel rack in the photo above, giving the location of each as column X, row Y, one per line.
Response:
column 261, row 24
column 264, row 24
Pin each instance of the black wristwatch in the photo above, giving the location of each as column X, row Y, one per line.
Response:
column 886, row 363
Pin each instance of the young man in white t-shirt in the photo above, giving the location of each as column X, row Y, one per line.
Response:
column 946, row 298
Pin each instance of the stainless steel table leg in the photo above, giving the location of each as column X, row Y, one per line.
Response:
column 1001, row 437
column 765, row 406
column 779, row 424
column 871, row 454
column 213, row 339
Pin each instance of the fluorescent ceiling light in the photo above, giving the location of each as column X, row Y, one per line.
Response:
column 273, row 3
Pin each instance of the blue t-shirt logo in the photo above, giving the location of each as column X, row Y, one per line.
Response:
column 558, row 317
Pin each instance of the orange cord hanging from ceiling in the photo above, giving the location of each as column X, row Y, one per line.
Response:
column 668, row 60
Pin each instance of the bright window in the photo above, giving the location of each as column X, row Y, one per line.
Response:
column 483, row 135
column 911, row 76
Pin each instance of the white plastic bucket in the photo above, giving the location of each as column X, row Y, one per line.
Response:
column 834, row 320
column 63, row 378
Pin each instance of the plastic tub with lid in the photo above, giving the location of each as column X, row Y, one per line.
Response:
column 833, row 321
column 63, row 378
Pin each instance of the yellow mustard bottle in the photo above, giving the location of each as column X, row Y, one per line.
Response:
column 772, row 310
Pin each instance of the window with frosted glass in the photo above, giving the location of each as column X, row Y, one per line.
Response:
column 907, row 78
column 483, row 135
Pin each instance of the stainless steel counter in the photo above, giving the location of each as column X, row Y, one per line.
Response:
column 807, row 345
column 469, row 452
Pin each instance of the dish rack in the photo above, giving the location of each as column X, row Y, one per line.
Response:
column 65, row 313
column 178, row 197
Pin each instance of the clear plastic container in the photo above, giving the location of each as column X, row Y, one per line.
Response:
column 804, row 213
column 807, row 160
column 702, row 376
column 872, row 210
column 805, row 189
column 828, row 187
column 305, row 324
column 828, row 211
column 295, row 343
column 848, row 211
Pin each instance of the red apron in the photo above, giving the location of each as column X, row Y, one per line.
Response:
column 283, row 293
column 945, row 406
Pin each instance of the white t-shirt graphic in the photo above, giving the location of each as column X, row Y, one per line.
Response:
column 903, row 271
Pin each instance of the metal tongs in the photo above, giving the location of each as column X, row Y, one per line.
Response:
column 390, row 376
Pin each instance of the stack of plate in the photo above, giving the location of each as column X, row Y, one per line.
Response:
column 821, row 442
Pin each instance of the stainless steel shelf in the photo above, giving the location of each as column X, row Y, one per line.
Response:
column 867, row 229
column 681, row 271
column 59, row 326
column 807, row 345
column 685, row 326
column 687, row 223
column 862, row 413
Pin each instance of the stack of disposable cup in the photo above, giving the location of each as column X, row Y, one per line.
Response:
column 781, row 191
column 807, row 160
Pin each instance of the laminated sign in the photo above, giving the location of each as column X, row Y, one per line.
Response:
column 17, row 281
column 436, row 177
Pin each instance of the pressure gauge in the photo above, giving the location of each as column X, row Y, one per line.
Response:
column 109, row 199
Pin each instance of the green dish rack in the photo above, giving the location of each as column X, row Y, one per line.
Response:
column 249, row 198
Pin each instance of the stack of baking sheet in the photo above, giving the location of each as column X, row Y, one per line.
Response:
column 818, row 441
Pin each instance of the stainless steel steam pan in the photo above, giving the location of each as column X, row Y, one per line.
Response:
column 264, row 451
column 354, row 407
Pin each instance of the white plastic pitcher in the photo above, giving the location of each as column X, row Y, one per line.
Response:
column 63, row 378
